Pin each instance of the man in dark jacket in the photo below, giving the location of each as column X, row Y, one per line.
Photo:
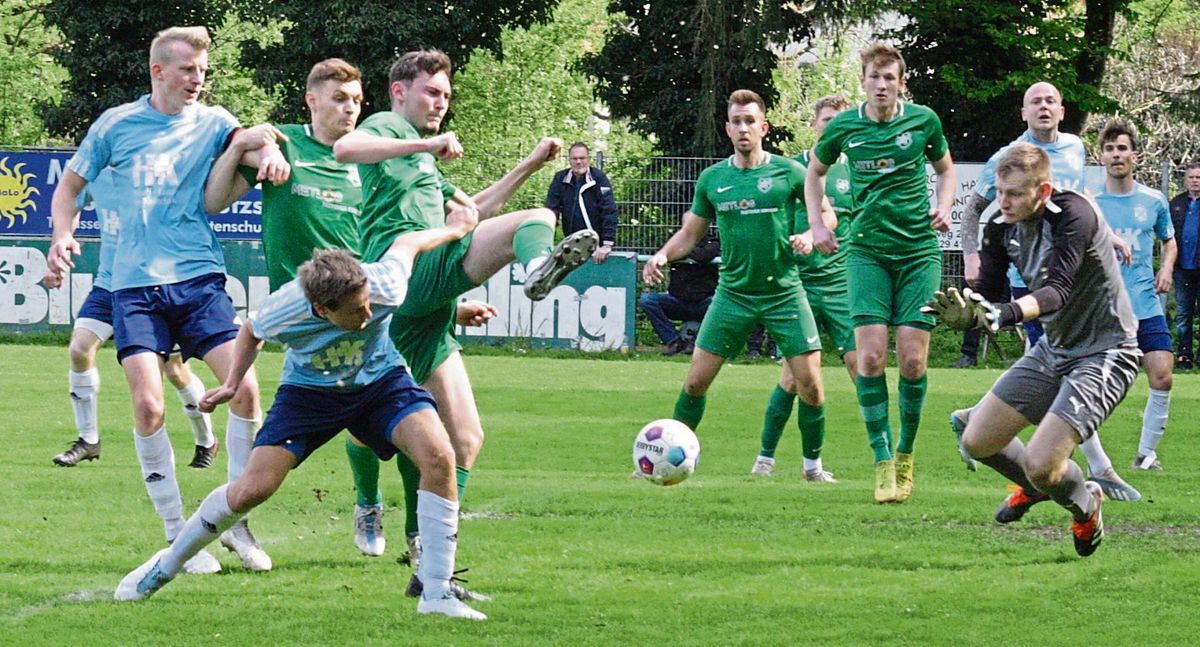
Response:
column 693, row 282
column 582, row 198
column 1185, row 217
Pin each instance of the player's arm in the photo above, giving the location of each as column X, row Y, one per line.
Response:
column 459, row 222
column 803, row 243
column 608, row 218
column 1166, row 271
column 245, row 350
column 474, row 313
column 970, row 237
column 255, row 147
column 678, row 246
column 814, row 201
column 361, row 147
column 64, row 218
column 1072, row 231
column 947, row 181
column 490, row 200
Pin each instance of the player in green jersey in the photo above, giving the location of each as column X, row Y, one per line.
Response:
column 824, row 279
column 404, row 191
column 752, row 195
column 893, row 258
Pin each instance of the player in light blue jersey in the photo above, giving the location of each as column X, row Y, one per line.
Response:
column 168, row 275
column 341, row 371
column 93, row 326
column 1042, row 110
column 1140, row 214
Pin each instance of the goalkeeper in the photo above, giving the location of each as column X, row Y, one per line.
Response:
column 1074, row 377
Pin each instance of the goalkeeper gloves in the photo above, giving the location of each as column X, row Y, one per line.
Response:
column 967, row 310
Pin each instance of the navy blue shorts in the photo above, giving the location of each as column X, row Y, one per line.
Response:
column 196, row 314
column 1153, row 334
column 303, row 418
column 97, row 306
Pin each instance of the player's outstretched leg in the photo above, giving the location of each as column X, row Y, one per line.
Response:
column 1102, row 472
column 568, row 254
column 84, row 382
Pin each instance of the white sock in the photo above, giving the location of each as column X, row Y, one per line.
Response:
column 211, row 519
column 1097, row 460
column 812, row 464
column 535, row 263
column 201, row 422
column 84, row 387
column 1154, row 421
column 239, row 440
column 158, row 471
column 437, row 521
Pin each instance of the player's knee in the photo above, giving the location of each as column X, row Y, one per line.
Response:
column 245, row 401
column 437, row 461
column 1161, row 380
column 148, row 410
column 913, row 366
column 467, row 444
column 811, row 393
column 873, row 361
column 543, row 214
column 695, row 388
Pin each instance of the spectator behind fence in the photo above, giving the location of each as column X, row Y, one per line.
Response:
column 1185, row 216
column 582, row 198
column 693, row 281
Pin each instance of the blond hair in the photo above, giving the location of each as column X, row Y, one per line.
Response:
column 195, row 37
column 1028, row 159
column 881, row 54
column 837, row 102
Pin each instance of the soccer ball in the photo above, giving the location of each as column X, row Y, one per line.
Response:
column 666, row 452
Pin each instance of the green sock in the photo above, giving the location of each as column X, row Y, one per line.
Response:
column 779, row 409
column 533, row 238
column 689, row 409
column 912, row 400
column 364, row 464
column 461, row 474
column 410, row 476
column 873, row 402
column 811, row 421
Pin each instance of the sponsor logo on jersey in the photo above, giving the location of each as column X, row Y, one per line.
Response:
column 731, row 205
column 854, row 144
column 724, row 188
column 883, row 165
column 1140, row 214
column 904, row 140
column 765, row 184
column 325, row 195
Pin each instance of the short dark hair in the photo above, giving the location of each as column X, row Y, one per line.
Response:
column 410, row 64
column 330, row 277
column 332, row 69
column 1192, row 166
column 1117, row 127
column 579, row 145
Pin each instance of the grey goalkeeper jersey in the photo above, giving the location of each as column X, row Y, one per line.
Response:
column 1067, row 260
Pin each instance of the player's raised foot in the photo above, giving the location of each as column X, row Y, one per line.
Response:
column 202, row 563
column 368, row 529
column 1018, row 503
column 763, row 466
column 1089, row 533
column 1114, row 486
column 80, row 450
column 240, row 541
column 203, row 458
column 958, row 424
column 885, row 481
column 568, row 254
column 904, row 477
column 412, row 556
column 449, row 605
column 1147, row 463
column 819, row 476
column 415, row 588
column 143, row 581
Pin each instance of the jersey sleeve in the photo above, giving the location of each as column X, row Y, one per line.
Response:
column 1073, row 230
column 936, row 146
column 278, row 311
column 986, row 186
column 701, row 206
column 387, row 279
column 829, row 147
column 993, row 264
column 377, row 124
column 93, row 154
column 226, row 125
column 448, row 189
column 1163, row 227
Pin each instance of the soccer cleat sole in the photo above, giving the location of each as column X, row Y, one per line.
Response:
column 1117, row 491
column 568, row 254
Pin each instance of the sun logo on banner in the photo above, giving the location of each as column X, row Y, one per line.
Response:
column 15, row 194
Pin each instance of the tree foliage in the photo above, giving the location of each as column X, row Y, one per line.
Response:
column 971, row 61
column 669, row 66
column 372, row 34
column 27, row 73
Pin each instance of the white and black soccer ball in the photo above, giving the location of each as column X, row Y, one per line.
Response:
column 666, row 452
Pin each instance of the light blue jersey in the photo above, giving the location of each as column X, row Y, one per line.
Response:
column 321, row 355
column 1139, row 217
column 159, row 165
column 1067, row 157
column 98, row 197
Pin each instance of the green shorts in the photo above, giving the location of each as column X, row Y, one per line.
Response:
column 423, row 326
column 891, row 292
column 831, row 309
column 732, row 316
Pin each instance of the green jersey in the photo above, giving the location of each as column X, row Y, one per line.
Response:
column 887, row 174
column 317, row 208
column 754, row 209
column 401, row 194
column 818, row 267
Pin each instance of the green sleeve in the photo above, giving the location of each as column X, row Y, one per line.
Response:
column 700, row 204
column 448, row 190
column 829, row 147
column 378, row 124
column 935, row 140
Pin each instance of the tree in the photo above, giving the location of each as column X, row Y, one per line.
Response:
column 105, row 47
column 971, row 61
column 669, row 66
column 27, row 73
column 372, row 34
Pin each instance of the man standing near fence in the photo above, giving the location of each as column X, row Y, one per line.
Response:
column 582, row 198
column 1185, row 216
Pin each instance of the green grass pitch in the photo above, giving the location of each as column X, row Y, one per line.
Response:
column 575, row 552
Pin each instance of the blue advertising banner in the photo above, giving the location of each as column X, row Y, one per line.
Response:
column 28, row 179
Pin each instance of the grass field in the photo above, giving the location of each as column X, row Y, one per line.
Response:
column 575, row 552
